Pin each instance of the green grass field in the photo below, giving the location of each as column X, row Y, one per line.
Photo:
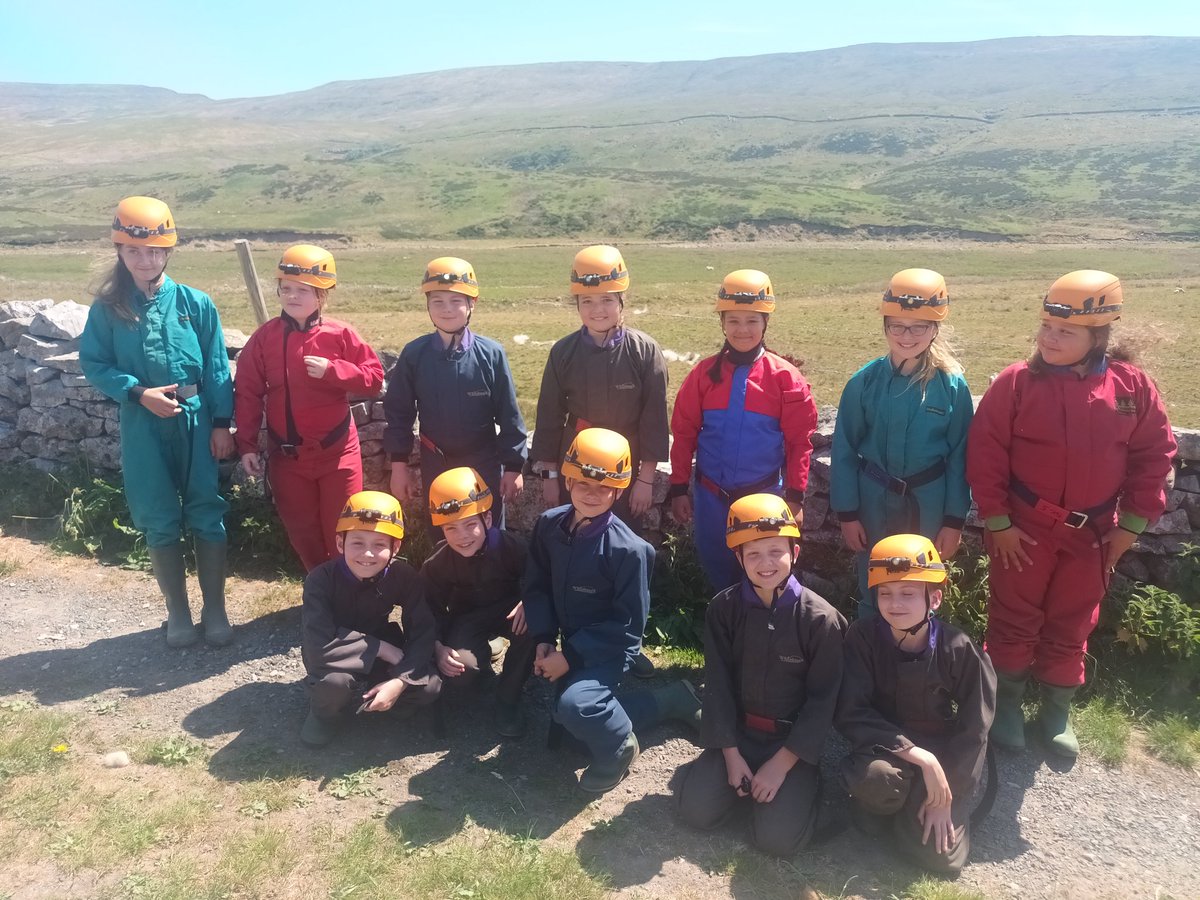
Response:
column 828, row 297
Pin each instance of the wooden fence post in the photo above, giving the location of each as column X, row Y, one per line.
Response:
column 250, row 276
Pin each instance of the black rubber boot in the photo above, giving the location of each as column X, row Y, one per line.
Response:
column 317, row 732
column 171, row 575
column 509, row 719
column 210, row 570
column 678, row 701
column 642, row 667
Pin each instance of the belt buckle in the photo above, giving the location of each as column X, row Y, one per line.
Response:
column 902, row 488
column 289, row 450
column 1075, row 520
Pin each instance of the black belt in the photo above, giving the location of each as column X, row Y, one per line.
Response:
column 901, row 486
column 292, row 448
column 1071, row 518
column 737, row 493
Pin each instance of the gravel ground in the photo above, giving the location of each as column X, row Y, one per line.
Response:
column 77, row 635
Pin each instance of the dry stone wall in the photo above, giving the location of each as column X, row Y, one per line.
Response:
column 49, row 416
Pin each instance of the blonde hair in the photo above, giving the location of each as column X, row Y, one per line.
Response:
column 939, row 356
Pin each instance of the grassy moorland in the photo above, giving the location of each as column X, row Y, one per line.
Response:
column 828, row 291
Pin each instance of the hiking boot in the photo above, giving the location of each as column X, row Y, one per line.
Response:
column 210, row 571
column 678, row 701
column 1055, row 719
column 642, row 666
column 171, row 575
column 316, row 731
column 1008, row 726
column 497, row 646
column 509, row 719
column 604, row 775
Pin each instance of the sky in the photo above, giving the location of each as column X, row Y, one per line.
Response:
column 251, row 48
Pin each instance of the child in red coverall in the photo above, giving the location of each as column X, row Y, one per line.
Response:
column 1067, row 458
column 301, row 368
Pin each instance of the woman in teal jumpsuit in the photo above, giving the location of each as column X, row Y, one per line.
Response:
column 156, row 347
column 900, row 442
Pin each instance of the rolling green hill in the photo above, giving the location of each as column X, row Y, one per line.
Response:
column 1038, row 138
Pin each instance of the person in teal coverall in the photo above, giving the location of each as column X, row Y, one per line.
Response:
column 156, row 347
column 900, row 443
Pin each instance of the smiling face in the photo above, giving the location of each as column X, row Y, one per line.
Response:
column 449, row 310
column 590, row 498
column 907, row 338
column 1064, row 344
column 902, row 603
column 600, row 313
column 768, row 561
column 367, row 553
column 145, row 264
column 299, row 301
column 466, row 536
column 744, row 330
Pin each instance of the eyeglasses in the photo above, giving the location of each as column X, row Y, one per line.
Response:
column 141, row 232
column 596, row 280
column 453, row 506
column 917, row 329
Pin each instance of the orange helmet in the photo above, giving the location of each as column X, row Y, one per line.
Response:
column 308, row 264
column 904, row 557
column 916, row 294
column 458, row 494
column 759, row 516
column 746, row 290
column 598, row 454
column 143, row 222
column 449, row 273
column 372, row 511
column 1086, row 297
column 599, row 269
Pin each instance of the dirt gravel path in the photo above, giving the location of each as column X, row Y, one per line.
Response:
column 85, row 638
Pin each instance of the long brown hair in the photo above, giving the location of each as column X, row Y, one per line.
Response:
column 117, row 288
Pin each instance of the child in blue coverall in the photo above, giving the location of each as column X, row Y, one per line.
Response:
column 900, row 443
column 588, row 581
column 156, row 347
column 459, row 384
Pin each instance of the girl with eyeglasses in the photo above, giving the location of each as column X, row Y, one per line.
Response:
column 301, row 368
column 900, row 442
column 156, row 347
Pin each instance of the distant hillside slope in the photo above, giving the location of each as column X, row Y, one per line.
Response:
column 1037, row 137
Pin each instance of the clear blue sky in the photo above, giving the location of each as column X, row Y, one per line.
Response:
column 224, row 48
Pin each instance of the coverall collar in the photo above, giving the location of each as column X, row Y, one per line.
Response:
column 744, row 357
column 591, row 529
column 617, row 335
column 465, row 339
column 143, row 300
column 309, row 323
column 886, row 632
column 787, row 597
column 1099, row 368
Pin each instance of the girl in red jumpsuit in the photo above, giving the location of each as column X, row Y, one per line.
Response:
column 1067, row 458
column 301, row 368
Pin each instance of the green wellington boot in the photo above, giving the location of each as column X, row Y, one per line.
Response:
column 1008, row 727
column 1055, row 719
column 171, row 576
column 210, row 570
column 604, row 775
column 678, row 701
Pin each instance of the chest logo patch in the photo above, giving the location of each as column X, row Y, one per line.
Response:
column 583, row 589
column 477, row 393
column 935, row 410
column 1126, row 406
column 791, row 659
column 624, row 386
